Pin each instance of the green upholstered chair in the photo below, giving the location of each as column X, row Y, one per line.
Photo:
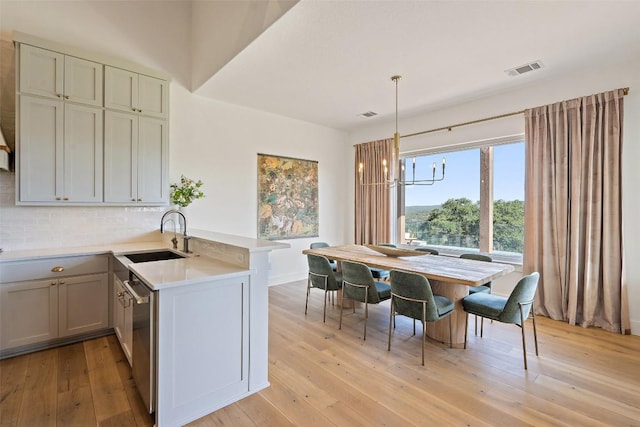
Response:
column 482, row 288
column 358, row 285
column 321, row 276
column 429, row 250
column 411, row 296
column 317, row 245
column 379, row 273
column 514, row 309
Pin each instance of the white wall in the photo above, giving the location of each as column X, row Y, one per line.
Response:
column 218, row 143
column 606, row 77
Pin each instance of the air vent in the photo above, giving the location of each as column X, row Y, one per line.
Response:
column 368, row 114
column 524, row 68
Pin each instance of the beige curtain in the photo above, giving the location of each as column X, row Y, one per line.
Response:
column 573, row 213
column 372, row 202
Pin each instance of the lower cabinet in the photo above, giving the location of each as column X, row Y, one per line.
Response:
column 29, row 312
column 52, row 306
column 202, row 348
column 123, row 317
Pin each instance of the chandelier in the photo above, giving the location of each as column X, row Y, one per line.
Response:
column 398, row 172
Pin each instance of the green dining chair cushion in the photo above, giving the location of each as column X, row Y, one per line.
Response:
column 483, row 288
column 384, row 290
column 484, row 304
column 379, row 273
column 443, row 304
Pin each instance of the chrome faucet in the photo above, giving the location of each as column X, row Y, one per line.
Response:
column 185, row 237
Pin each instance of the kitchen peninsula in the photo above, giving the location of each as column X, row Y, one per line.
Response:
column 211, row 327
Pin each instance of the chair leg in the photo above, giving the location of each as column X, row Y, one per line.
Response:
column 391, row 318
column 424, row 334
column 481, row 327
column 414, row 327
column 524, row 343
column 535, row 333
column 466, row 328
column 306, row 304
column 324, row 315
column 450, row 333
column 341, row 308
column 366, row 318
column 476, row 325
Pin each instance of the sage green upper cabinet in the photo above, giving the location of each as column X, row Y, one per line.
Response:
column 135, row 93
column 136, row 161
column 61, row 151
column 55, row 75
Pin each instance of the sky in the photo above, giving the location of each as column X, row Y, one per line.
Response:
column 462, row 176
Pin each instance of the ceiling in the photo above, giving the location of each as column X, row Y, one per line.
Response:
column 326, row 62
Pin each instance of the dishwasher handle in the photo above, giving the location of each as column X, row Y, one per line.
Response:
column 139, row 299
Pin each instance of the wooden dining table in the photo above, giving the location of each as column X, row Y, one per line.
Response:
column 449, row 276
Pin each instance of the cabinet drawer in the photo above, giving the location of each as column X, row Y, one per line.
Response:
column 18, row 271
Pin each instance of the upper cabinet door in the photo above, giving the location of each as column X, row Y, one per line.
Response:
column 47, row 73
column 82, row 81
column 152, row 96
column 135, row 93
column 41, row 72
column 121, row 89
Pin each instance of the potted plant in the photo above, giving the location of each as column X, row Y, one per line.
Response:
column 185, row 192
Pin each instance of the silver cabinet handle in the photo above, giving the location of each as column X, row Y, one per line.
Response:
column 138, row 298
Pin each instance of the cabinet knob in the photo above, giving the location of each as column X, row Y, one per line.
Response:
column 66, row 97
column 57, row 269
column 66, row 198
column 62, row 283
column 139, row 200
column 120, row 294
column 59, row 95
column 53, row 283
column 133, row 200
column 58, row 198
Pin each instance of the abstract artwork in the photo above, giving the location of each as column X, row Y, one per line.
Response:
column 287, row 197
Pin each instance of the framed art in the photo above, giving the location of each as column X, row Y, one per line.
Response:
column 287, row 197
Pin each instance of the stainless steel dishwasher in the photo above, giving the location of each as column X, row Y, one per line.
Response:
column 143, row 364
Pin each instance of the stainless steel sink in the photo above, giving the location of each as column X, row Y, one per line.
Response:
column 153, row 256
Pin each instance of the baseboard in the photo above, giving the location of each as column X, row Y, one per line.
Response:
column 287, row 278
column 635, row 327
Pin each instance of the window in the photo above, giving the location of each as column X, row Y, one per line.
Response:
column 459, row 214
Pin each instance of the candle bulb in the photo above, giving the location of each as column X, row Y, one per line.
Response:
column 414, row 170
column 360, row 170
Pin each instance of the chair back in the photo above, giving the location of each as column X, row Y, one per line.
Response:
column 359, row 274
column 477, row 257
column 317, row 245
column 523, row 293
column 319, row 268
column 414, row 286
column 428, row 250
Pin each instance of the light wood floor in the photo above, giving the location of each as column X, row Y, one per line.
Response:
column 321, row 376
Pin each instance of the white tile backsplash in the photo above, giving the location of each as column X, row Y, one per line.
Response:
column 34, row 227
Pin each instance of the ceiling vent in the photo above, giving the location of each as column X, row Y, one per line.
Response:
column 532, row 66
column 368, row 114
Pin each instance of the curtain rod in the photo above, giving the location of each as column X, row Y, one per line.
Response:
column 625, row 91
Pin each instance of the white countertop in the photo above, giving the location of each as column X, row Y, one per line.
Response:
column 186, row 271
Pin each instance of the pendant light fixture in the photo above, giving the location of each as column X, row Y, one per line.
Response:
column 398, row 170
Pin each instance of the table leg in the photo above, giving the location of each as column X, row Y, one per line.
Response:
column 439, row 331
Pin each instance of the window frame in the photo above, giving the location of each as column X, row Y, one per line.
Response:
column 486, row 194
